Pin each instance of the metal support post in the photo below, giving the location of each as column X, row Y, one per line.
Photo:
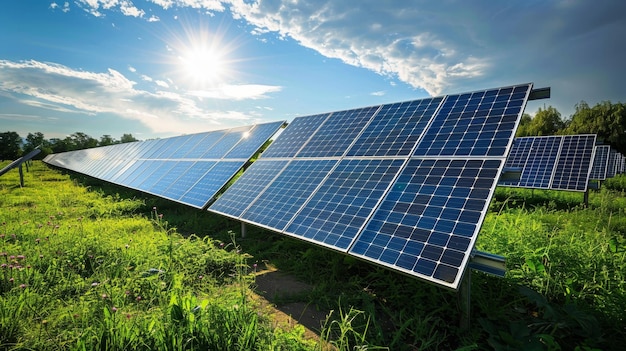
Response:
column 21, row 176
column 243, row 229
column 465, row 297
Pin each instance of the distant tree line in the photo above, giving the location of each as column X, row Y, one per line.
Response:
column 12, row 146
column 606, row 119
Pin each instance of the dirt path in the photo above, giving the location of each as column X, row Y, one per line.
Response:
column 273, row 286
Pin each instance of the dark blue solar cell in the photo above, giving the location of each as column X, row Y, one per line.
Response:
column 253, row 140
column 295, row 136
column 208, row 185
column 337, row 133
column 395, row 129
column 210, row 139
column 226, row 143
column 247, row 187
column 460, row 129
column 574, row 163
column 600, row 162
column 156, row 149
column 148, row 184
column 146, row 170
column 190, row 142
column 444, row 222
column 170, row 147
column 170, row 177
column 344, row 201
column 279, row 203
column 188, row 179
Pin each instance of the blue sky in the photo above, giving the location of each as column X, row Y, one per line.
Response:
column 158, row 68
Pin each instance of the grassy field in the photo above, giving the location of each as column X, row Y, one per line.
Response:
column 86, row 265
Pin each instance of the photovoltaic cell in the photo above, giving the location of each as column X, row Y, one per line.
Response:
column 279, row 202
column 574, row 164
column 395, row 129
column 188, row 179
column 248, row 187
column 207, row 186
column 251, row 140
column 475, row 124
column 540, row 164
column 427, row 223
column 404, row 185
column 344, row 201
column 295, row 136
column 560, row 162
column 337, row 133
column 189, row 169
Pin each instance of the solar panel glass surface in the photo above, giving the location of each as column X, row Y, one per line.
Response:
column 574, row 163
column 395, row 129
column 462, row 149
column 295, row 136
column 337, row 133
column 345, row 200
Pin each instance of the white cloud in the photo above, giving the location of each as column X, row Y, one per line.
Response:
column 60, row 88
column 162, row 84
column 378, row 93
column 237, row 92
column 128, row 9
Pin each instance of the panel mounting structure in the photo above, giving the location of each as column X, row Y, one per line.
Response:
column 190, row 169
column 403, row 185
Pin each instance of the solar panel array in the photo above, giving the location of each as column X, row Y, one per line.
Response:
column 559, row 162
column 600, row 162
column 616, row 163
column 404, row 185
column 189, row 169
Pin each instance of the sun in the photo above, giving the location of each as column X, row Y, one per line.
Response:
column 204, row 65
column 202, row 58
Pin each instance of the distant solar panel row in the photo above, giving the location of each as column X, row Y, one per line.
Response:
column 560, row 162
column 600, row 162
column 404, row 185
column 189, row 169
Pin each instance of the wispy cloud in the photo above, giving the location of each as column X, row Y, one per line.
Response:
column 237, row 92
column 60, row 88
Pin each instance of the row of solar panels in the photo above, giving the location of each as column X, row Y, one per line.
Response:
column 405, row 185
column 189, row 169
column 560, row 162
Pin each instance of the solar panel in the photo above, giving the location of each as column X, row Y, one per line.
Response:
column 299, row 132
column 344, row 201
column 189, row 169
column 403, row 185
column 574, row 164
column 560, row 162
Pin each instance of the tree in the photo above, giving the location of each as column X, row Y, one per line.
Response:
column 127, row 138
column 546, row 122
column 59, row 145
column 106, row 140
column 10, row 143
column 79, row 140
column 524, row 124
column 606, row 119
column 37, row 140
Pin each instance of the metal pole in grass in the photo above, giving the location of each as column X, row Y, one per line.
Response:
column 586, row 198
column 243, row 229
column 21, row 175
column 483, row 262
column 465, row 295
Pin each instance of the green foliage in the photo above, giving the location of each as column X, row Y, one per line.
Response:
column 108, row 269
column 545, row 122
column 10, row 143
column 606, row 119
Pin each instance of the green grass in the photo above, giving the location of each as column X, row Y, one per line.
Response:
column 181, row 281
